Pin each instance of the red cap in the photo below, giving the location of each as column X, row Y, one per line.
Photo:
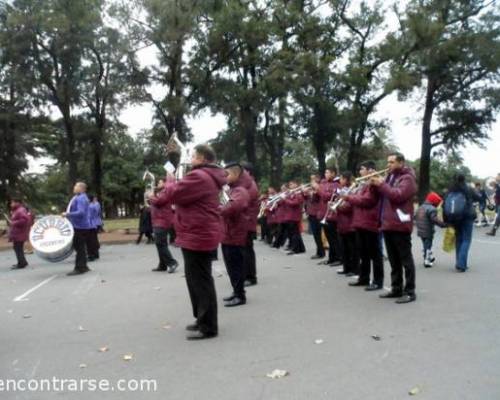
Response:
column 434, row 199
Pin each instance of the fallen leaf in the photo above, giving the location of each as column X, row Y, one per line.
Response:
column 277, row 374
column 319, row 341
column 377, row 338
column 82, row 329
column 167, row 327
column 103, row 349
column 128, row 357
column 26, row 316
column 414, row 391
column 83, row 365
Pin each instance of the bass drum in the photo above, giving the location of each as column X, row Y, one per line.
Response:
column 52, row 238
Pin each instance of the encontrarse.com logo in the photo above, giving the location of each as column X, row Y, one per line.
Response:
column 78, row 385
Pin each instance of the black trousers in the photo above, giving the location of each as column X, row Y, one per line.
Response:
column 249, row 258
column 93, row 244
column 273, row 233
column 149, row 235
column 19, row 250
column 201, row 288
column 371, row 257
column 281, row 236
column 164, row 255
column 235, row 265
column 334, row 244
column 264, row 228
column 350, row 257
column 315, row 226
column 171, row 235
column 398, row 245
column 80, row 241
column 296, row 242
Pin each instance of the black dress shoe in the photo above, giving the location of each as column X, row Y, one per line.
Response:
column 373, row 287
column 193, row 327
column 250, row 282
column 159, row 269
column 358, row 283
column 341, row 272
column 391, row 295
column 349, row 274
column 200, row 335
column 290, row 253
column 171, row 268
column 18, row 266
column 407, row 298
column 335, row 263
column 235, row 302
column 78, row 271
column 229, row 298
column 317, row 257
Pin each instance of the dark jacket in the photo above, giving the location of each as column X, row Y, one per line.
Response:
column 397, row 195
column 79, row 214
column 95, row 215
column 471, row 197
column 366, row 208
column 236, row 214
column 162, row 215
column 344, row 218
column 425, row 219
column 198, row 223
column 20, row 224
column 312, row 204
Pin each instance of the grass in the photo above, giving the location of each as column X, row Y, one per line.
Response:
column 121, row 223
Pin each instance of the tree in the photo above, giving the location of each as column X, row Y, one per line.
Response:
column 458, row 63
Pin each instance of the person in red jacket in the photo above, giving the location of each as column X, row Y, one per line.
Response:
column 253, row 212
column 327, row 190
column 280, row 211
column 294, row 204
column 198, row 227
column 312, row 207
column 365, row 202
column 346, row 230
column 19, row 229
column 271, row 218
column 236, row 215
column 162, row 217
column 397, row 194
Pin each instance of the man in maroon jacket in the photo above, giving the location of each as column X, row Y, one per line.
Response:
column 236, row 214
column 397, row 193
column 347, row 232
column 253, row 211
column 365, row 220
column 162, row 217
column 294, row 205
column 199, row 231
column 312, row 207
column 19, row 229
column 327, row 190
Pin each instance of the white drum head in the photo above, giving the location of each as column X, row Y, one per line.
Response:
column 52, row 238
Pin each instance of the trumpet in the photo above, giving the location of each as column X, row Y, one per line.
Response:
column 273, row 202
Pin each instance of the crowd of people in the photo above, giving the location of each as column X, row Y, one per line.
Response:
column 350, row 218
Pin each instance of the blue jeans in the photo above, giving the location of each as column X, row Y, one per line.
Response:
column 463, row 239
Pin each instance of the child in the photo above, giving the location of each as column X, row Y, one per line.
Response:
column 426, row 218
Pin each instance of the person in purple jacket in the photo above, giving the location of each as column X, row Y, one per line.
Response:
column 397, row 193
column 20, row 223
column 78, row 214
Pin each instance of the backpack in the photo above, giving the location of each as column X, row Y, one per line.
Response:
column 455, row 207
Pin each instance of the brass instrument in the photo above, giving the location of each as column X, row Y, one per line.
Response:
column 150, row 188
column 185, row 159
column 333, row 205
column 224, row 195
column 273, row 202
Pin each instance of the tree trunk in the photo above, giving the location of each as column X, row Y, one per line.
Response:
column 249, row 126
column 70, row 152
column 97, row 167
column 425, row 152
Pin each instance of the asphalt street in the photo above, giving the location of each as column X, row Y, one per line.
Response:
column 335, row 341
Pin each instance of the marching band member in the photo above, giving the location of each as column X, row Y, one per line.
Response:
column 162, row 219
column 365, row 220
column 199, row 231
column 78, row 214
column 271, row 220
column 312, row 207
column 280, row 211
column 19, row 230
column 350, row 257
column 253, row 211
column 236, row 215
column 294, row 204
column 327, row 190
column 264, row 227
column 397, row 193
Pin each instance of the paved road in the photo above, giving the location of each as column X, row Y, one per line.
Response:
column 447, row 344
